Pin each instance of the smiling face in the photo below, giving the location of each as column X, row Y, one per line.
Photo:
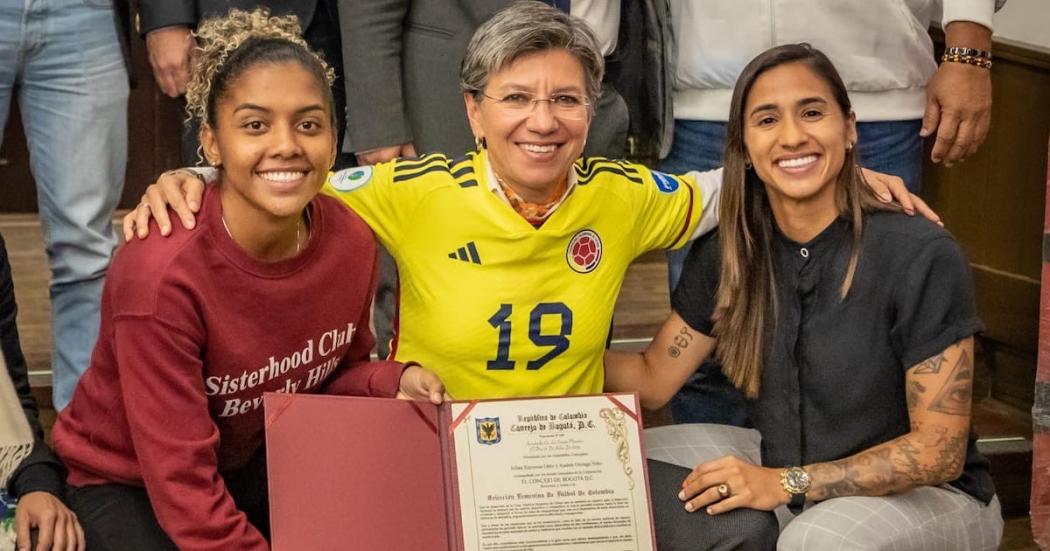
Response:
column 533, row 149
column 273, row 138
column 796, row 135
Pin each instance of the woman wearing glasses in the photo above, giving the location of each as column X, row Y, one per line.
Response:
column 510, row 259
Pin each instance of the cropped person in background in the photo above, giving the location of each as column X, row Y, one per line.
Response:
column 72, row 88
column 167, row 25
column 29, row 471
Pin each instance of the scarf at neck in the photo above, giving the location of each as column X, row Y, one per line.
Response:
column 533, row 213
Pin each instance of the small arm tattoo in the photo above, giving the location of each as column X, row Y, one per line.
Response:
column 914, row 393
column 681, row 341
column 931, row 366
column 684, row 338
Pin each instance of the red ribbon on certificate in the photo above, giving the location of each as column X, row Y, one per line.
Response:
column 623, row 408
column 455, row 423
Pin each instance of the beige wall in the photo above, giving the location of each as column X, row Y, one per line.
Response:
column 1026, row 21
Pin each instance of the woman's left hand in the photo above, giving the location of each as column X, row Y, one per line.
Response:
column 57, row 526
column 419, row 384
column 891, row 188
column 742, row 484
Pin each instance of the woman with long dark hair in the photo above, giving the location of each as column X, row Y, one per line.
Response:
column 848, row 325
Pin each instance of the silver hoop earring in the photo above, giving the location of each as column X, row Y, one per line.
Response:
column 479, row 143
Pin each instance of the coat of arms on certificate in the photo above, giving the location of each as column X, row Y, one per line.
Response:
column 488, row 430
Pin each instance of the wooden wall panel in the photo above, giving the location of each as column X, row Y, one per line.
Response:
column 993, row 203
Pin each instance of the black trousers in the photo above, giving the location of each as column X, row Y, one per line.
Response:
column 116, row 517
column 680, row 530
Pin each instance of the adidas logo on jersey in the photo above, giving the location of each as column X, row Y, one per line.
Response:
column 468, row 253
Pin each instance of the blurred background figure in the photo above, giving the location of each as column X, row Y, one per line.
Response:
column 167, row 25
column 29, row 471
column 65, row 61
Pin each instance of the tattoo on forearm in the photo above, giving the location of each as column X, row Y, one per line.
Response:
column 673, row 351
column 862, row 474
column 929, row 456
column 908, row 461
column 954, row 398
column 951, row 458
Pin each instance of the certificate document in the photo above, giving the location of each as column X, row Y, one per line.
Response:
column 551, row 473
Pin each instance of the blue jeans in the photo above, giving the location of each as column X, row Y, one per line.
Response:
column 63, row 59
column 893, row 147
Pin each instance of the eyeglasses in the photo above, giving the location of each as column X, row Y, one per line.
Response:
column 564, row 106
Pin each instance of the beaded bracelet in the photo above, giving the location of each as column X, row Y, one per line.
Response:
column 981, row 62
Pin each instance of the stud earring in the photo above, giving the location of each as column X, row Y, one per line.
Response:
column 747, row 164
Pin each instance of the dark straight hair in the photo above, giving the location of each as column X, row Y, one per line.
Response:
column 746, row 298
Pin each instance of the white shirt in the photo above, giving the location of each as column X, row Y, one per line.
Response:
column 603, row 16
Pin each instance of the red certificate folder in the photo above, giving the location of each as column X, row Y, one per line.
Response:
column 350, row 473
column 344, row 477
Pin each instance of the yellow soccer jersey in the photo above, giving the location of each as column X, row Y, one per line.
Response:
column 499, row 308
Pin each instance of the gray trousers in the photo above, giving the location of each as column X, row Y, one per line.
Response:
column 923, row 519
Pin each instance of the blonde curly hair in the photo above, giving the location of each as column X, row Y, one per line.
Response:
column 226, row 46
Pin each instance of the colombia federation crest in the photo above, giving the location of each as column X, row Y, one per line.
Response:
column 488, row 430
column 584, row 251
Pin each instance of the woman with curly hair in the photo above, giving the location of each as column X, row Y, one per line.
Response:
column 163, row 437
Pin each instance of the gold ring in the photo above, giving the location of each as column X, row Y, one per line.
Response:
column 723, row 490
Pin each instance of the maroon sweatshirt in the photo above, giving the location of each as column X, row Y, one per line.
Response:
column 193, row 331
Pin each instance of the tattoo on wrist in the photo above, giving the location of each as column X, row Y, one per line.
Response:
column 895, row 467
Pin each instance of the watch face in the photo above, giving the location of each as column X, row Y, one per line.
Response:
column 797, row 480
